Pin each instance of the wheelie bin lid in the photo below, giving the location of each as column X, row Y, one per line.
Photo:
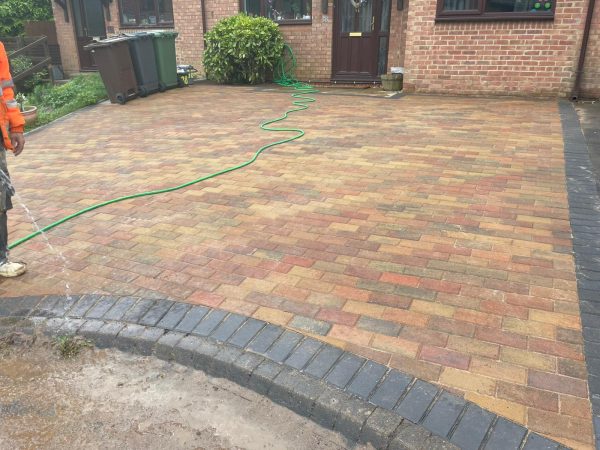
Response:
column 138, row 35
column 106, row 42
column 163, row 34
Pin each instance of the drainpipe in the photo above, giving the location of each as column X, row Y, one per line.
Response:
column 203, row 9
column 583, row 50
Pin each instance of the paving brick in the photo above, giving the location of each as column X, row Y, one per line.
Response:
column 379, row 427
column 246, row 332
column 296, row 391
column 137, row 311
column 262, row 377
column 196, row 352
column 100, row 308
column 120, row 307
column 351, row 418
column 173, row 316
column 390, row 389
column 284, row 346
column 344, row 369
column 416, row 401
column 309, row 325
column 263, row 340
column 243, row 367
column 369, row 375
column 191, row 319
column 229, row 326
column 537, row 442
column 472, row 428
column 166, row 343
column 82, row 306
column 209, row 322
column 444, row 414
column 303, row 353
column 323, row 361
column 156, row 312
column 505, row 435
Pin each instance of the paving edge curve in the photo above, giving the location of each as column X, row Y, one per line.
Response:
column 363, row 400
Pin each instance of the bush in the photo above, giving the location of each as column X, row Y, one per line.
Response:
column 56, row 101
column 22, row 63
column 241, row 49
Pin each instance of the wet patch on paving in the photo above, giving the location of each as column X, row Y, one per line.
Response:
column 429, row 234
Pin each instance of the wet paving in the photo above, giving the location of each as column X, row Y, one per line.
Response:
column 589, row 116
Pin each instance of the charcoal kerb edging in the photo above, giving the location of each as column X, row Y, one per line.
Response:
column 362, row 405
column 584, row 211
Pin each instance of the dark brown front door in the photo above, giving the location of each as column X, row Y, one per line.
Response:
column 88, row 18
column 360, row 39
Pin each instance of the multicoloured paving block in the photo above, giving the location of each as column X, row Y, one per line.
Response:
column 429, row 234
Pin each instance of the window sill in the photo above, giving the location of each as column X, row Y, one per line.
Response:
column 294, row 22
column 494, row 17
column 146, row 27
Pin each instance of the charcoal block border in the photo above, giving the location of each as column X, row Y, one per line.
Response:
column 583, row 190
column 361, row 399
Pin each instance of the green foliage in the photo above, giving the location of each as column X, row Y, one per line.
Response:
column 71, row 346
column 241, row 49
column 56, row 101
column 22, row 63
column 14, row 12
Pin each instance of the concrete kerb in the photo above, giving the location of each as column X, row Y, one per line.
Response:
column 361, row 399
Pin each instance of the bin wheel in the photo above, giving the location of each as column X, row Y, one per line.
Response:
column 180, row 83
column 162, row 87
column 120, row 98
column 143, row 92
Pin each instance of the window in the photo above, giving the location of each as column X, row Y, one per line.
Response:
column 494, row 9
column 146, row 13
column 282, row 11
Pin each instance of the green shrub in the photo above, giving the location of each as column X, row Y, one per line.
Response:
column 22, row 63
column 241, row 49
column 14, row 12
column 56, row 101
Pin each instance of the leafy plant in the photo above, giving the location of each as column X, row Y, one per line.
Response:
column 71, row 346
column 21, row 99
column 22, row 63
column 56, row 101
column 14, row 12
column 242, row 49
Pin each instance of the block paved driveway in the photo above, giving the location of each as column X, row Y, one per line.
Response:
column 427, row 233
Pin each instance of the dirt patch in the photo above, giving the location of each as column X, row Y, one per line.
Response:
column 112, row 400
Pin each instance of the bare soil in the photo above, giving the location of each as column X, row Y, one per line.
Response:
column 113, row 400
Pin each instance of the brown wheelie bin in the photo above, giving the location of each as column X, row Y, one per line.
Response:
column 113, row 59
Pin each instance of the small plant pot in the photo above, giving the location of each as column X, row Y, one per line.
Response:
column 29, row 114
column 392, row 82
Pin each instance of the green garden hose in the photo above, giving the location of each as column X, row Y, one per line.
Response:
column 284, row 76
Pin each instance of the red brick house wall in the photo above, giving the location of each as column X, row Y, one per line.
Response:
column 521, row 57
column 590, row 80
column 499, row 57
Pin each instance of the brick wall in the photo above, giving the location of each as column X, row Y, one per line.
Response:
column 499, row 57
column 66, row 39
column 590, row 80
column 398, row 22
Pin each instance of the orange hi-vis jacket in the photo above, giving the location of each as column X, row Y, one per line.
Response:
column 11, row 119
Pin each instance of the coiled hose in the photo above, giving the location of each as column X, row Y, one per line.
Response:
column 284, row 76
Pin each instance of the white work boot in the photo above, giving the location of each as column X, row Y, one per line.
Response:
column 9, row 269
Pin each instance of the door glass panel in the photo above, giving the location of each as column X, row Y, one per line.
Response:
column 365, row 16
column 356, row 19
column 94, row 18
column 385, row 16
column 382, row 57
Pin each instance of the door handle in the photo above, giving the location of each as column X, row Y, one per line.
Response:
column 373, row 23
